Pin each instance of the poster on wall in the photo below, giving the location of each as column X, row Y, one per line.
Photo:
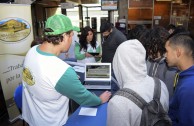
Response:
column 16, row 35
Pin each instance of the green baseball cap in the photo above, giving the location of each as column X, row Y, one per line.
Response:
column 59, row 23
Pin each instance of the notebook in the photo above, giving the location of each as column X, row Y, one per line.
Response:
column 97, row 76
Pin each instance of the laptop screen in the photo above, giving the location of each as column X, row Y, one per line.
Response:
column 98, row 72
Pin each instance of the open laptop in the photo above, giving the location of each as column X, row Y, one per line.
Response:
column 97, row 76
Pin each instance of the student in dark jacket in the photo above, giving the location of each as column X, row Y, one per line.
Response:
column 112, row 38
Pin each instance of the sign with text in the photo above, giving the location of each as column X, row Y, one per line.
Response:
column 16, row 36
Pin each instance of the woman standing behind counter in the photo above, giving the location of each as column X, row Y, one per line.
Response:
column 88, row 49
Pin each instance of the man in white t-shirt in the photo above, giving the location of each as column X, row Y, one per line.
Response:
column 49, row 82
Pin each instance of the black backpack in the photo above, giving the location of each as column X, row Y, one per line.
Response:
column 153, row 113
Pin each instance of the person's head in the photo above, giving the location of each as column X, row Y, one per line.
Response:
column 59, row 31
column 171, row 28
column 87, row 37
column 154, row 42
column 129, row 64
column 137, row 31
column 106, row 28
column 177, row 30
column 180, row 47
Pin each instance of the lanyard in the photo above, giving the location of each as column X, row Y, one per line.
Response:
column 176, row 80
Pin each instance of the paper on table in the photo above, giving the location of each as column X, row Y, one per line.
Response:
column 88, row 111
column 79, row 69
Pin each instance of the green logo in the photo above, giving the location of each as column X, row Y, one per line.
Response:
column 27, row 77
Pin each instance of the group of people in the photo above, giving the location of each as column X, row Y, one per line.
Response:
column 49, row 82
column 87, row 43
column 166, row 57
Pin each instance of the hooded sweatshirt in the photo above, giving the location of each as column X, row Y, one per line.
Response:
column 181, row 109
column 130, row 70
column 158, row 68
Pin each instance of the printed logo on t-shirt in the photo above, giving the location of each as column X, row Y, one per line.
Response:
column 27, row 77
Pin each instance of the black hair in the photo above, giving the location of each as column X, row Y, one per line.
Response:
column 54, row 39
column 178, row 29
column 106, row 26
column 171, row 26
column 136, row 32
column 83, row 38
column 154, row 41
column 36, row 41
column 184, row 40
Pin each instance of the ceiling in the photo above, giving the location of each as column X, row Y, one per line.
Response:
column 84, row 1
column 51, row 3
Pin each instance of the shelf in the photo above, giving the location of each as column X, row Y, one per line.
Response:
column 140, row 22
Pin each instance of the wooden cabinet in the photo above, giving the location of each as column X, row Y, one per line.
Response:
column 191, row 18
column 162, row 13
column 140, row 12
column 180, row 13
column 162, row 10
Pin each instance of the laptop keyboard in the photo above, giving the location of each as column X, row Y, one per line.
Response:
column 97, row 85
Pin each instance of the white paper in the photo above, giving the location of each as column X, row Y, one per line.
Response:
column 88, row 111
column 79, row 69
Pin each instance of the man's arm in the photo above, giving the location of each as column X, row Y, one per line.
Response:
column 184, row 104
column 70, row 86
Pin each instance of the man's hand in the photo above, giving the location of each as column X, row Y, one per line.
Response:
column 105, row 96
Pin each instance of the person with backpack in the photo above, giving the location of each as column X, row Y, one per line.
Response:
column 180, row 54
column 129, row 66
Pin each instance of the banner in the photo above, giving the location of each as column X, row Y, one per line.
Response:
column 16, row 35
column 11, row 77
column 15, row 28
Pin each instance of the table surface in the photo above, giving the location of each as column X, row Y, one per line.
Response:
column 82, row 120
column 99, row 120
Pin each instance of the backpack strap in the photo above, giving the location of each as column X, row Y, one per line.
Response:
column 136, row 98
column 165, row 71
column 133, row 96
column 157, row 89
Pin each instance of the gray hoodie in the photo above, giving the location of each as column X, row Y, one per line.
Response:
column 158, row 68
column 130, row 70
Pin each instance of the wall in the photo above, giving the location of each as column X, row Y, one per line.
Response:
column 140, row 12
column 191, row 19
column 123, row 9
column 162, row 9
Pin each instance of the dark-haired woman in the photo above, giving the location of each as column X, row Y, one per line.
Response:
column 87, row 46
